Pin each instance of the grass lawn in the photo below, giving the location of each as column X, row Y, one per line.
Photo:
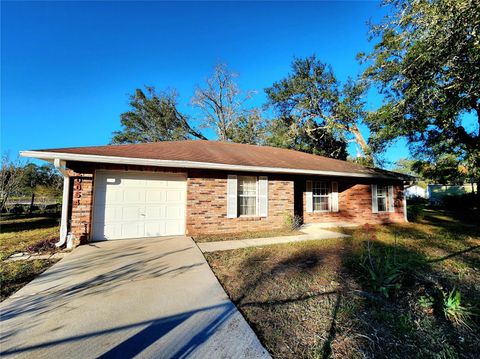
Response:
column 16, row 235
column 313, row 300
column 246, row 235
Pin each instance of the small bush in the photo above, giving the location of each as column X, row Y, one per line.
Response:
column 426, row 301
column 417, row 200
column 467, row 201
column 415, row 212
column 382, row 273
column 292, row 222
column 380, row 267
column 454, row 310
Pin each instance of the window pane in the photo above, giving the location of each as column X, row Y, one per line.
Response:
column 320, row 188
column 382, row 198
column 381, row 191
column 321, row 196
column 247, row 186
column 247, row 206
column 320, row 203
column 382, row 204
column 247, row 196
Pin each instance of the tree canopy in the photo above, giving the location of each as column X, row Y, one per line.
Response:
column 315, row 113
column 426, row 64
column 320, row 105
column 154, row 117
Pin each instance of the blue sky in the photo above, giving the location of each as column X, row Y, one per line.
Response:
column 67, row 68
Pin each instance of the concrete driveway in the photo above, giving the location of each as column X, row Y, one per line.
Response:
column 152, row 298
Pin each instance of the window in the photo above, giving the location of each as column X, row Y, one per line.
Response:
column 247, row 196
column 382, row 193
column 321, row 196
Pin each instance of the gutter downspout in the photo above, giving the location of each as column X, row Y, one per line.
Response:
column 61, row 167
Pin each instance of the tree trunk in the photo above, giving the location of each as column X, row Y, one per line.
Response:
column 478, row 195
column 31, row 203
column 367, row 152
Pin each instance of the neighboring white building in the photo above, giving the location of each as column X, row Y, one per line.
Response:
column 435, row 192
column 415, row 191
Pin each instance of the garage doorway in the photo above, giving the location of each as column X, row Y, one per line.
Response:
column 138, row 204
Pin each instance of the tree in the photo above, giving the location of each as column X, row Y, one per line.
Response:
column 221, row 102
column 413, row 168
column 154, row 117
column 45, row 175
column 426, row 64
column 249, row 128
column 11, row 175
column 319, row 103
column 286, row 133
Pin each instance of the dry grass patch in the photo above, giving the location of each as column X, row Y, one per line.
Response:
column 16, row 235
column 311, row 300
column 245, row 235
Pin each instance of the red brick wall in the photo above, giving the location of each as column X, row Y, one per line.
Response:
column 355, row 205
column 207, row 202
column 81, row 195
column 207, row 205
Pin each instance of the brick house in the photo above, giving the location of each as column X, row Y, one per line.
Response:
column 198, row 187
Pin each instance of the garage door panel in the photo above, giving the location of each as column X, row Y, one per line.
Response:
column 133, row 205
column 174, row 195
column 133, row 230
column 172, row 227
column 174, row 212
column 134, row 195
column 153, row 229
column 155, row 195
column 155, row 213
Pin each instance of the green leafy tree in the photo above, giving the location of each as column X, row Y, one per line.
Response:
column 45, row 176
column 250, row 129
column 285, row 132
column 154, row 117
column 319, row 104
column 426, row 63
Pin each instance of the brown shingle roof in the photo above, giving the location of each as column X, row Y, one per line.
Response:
column 226, row 153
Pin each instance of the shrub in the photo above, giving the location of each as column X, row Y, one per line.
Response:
column 417, row 200
column 465, row 201
column 454, row 310
column 380, row 267
column 292, row 222
column 415, row 212
column 382, row 272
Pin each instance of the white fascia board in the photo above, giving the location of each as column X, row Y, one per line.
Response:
column 49, row 156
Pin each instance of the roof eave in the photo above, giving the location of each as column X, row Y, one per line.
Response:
column 50, row 156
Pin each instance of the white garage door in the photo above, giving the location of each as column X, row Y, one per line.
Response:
column 138, row 204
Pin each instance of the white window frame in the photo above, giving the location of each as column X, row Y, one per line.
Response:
column 384, row 197
column 328, row 196
column 239, row 195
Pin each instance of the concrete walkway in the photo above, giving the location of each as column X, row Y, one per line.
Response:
column 146, row 298
column 255, row 242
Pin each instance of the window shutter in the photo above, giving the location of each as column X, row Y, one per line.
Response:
column 263, row 196
column 391, row 203
column 232, row 196
column 309, row 197
column 374, row 199
column 334, row 197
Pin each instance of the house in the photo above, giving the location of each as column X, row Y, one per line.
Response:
column 415, row 191
column 437, row 192
column 197, row 187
